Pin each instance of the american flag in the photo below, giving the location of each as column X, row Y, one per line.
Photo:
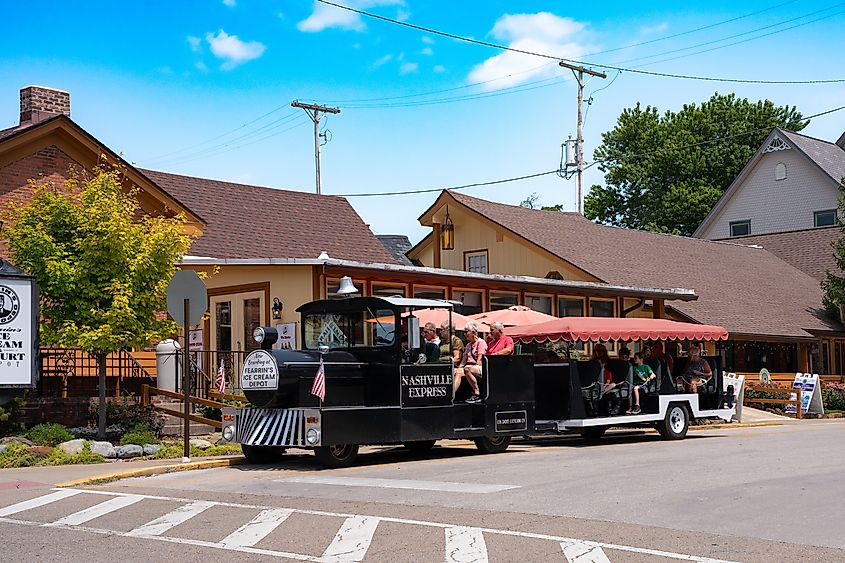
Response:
column 319, row 387
column 221, row 379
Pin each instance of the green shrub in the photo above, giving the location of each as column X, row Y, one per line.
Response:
column 49, row 434
column 833, row 396
column 17, row 455
column 127, row 412
column 58, row 457
column 174, row 450
column 141, row 434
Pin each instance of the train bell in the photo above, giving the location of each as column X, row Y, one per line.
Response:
column 347, row 287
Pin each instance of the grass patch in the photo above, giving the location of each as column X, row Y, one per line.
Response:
column 175, row 449
column 18, row 455
column 140, row 435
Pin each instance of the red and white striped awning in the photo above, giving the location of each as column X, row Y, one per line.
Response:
column 608, row 328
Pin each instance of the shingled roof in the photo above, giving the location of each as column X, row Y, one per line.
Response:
column 809, row 250
column 830, row 157
column 746, row 289
column 246, row 221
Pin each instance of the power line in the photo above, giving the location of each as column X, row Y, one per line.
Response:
column 462, row 187
column 573, row 61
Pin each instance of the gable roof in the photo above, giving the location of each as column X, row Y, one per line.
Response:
column 747, row 290
column 828, row 157
column 397, row 246
column 809, row 250
column 245, row 221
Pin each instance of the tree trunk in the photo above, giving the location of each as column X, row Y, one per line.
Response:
column 101, row 368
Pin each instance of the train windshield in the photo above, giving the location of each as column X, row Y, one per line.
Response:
column 350, row 330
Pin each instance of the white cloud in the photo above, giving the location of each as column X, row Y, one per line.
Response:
column 382, row 61
column 200, row 66
column 402, row 15
column 427, row 40
column 195, row 43
column 427, row 51
column 542, row 32
column 408, row 68
column 439, row 68
column 231, row 50
column 324, row 16
column 230, row 3
column 659, row 28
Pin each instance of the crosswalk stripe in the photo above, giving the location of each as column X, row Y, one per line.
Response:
column 578, row 552
column 352, row 540
column 257, row 529
column 36, row 502
column 465, row 545
column 171, row 519
column 98, row 510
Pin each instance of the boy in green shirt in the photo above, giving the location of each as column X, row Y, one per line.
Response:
column 642, row 375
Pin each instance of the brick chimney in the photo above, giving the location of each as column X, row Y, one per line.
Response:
column 39, row 103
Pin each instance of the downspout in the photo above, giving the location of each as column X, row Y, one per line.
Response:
column 640, row 302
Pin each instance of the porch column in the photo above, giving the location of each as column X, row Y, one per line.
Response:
column 659, row 309
column 436, row 245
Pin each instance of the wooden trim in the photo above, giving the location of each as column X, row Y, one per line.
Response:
column 244, row 288
column 398, row 285
column 436, row 250
column 479, row 251
column 613, row 300
column 316, row 279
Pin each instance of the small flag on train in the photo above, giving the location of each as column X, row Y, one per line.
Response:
column 319, row 387
column 221, row 379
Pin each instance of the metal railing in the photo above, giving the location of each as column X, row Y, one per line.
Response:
column 205, row 365
column 71, row 363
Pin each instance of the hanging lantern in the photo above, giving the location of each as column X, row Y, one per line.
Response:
column 447, row 233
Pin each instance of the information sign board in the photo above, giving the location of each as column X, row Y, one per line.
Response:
column 18, row 328
column 260, row 371
column 811, row 394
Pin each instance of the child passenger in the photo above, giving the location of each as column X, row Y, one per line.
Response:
column 642, row 375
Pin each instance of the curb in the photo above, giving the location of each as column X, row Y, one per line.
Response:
column 155, row 470
column 739, row 425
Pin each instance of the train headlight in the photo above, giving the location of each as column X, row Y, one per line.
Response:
column 312, row 436
column 258, row 334
column 228, row 433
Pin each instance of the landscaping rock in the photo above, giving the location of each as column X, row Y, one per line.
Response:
column 113, row 432
column 73, row 447
column 105, row 449
column 129, row 450
column 200, row 444
column 151, row 449
column 3, row 448
column 41, row 451
column 16, row 440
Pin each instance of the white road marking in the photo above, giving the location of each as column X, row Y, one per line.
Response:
column 38, row 501
column 352, row 540
column 580, row 552
column 258, row 528
column 465, row 545
column 445, row 486
column 171, row 519
column 243, row 549
column 98, row 510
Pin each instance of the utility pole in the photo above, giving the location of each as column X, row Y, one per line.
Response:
column 313, row 111
column 579, row 72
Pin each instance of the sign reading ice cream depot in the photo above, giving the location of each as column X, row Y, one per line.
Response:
column 18, row 329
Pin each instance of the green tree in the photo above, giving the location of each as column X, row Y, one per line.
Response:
column 102, row 264
column 652, row 184
column 533, row 202
column 834, row 283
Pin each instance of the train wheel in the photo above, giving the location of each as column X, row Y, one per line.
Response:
column 262, row 454
column 420, row 446
column 341, row 455
column 593, row 433
column 676, row 423
column 493, row 444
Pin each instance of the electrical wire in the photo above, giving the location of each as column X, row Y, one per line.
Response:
column 574, row 61
column 462, row 187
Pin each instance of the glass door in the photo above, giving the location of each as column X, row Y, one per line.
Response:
column 233, row 318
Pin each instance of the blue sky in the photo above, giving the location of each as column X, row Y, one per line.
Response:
column 204, row 87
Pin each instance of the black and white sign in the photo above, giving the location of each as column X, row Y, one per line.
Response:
column 260, row 371
column 811, row 395
column 17, row 333
column 511, row 421
column 426, row 385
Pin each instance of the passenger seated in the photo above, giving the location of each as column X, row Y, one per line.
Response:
column 642, row 375
column 449, row 340
column 470, row 366
column 656, row 351
column 432, row 342
column 500, row 344
column 601, row 356
column 624, row 354
column 698, row 371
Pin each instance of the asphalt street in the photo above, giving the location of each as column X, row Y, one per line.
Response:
column 750, row 494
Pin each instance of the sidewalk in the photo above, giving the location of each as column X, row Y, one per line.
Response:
column 70, row 475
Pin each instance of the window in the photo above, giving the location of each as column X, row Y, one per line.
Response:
column 602, row 308
column 570, row 307
column 780, row 171
column 503, row 300
column 429, row 292
column 740, row 228
column 539, row 303
column 387, row 290
column 470, row 301
column 332, row 285
column 476, row 261
column 350, row 330
column 824, row 218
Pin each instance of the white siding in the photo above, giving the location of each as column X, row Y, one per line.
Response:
column 777, row 205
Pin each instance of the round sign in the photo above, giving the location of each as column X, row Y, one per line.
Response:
column 260, row 372
column 10, row 304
